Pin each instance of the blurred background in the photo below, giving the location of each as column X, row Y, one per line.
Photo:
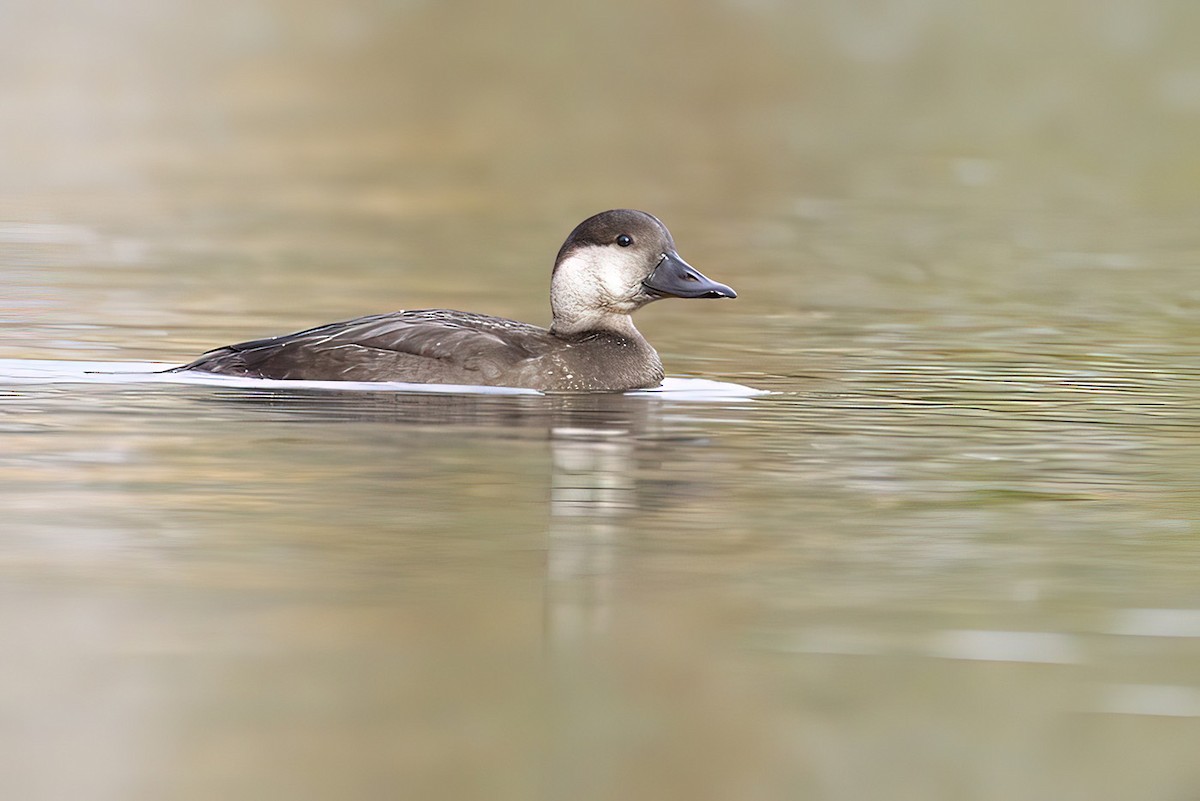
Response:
column 953, row 556
column 234, row 161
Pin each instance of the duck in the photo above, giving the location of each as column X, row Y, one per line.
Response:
column 612, row 264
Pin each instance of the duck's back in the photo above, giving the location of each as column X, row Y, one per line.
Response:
column 438, row 346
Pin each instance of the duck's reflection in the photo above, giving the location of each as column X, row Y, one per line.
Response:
column 592, row 487
column 607, row 454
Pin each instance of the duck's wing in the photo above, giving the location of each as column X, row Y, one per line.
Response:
column 425, row 346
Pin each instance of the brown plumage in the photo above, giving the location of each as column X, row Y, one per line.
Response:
column 611, row 265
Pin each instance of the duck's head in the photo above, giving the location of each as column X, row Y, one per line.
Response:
column 614, row 263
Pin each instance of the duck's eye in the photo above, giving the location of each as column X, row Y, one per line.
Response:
column 624, row 240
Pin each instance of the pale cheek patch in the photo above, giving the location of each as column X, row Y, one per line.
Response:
column 621, row 278
column 574, row 287
column 593, row 285
column 598, row 277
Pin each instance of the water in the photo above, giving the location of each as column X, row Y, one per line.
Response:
column 947, row 551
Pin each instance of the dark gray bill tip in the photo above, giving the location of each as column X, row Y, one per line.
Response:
column 675, row 277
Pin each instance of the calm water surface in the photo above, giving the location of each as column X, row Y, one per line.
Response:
column 951, row 554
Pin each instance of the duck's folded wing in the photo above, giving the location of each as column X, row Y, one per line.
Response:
column 428, row 346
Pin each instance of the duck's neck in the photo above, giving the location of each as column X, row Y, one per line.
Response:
column 580, row 326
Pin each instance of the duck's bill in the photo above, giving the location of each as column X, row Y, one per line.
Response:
column 676, row 278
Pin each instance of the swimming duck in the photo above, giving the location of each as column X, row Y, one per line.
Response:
column 611, row 265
